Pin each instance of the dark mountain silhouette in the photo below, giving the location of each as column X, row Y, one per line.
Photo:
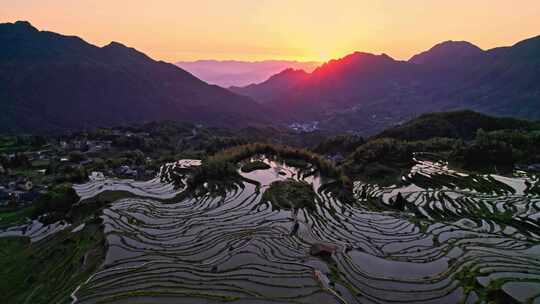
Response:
column 334, row 86
column 281, row 82
column 51, row 82
column 367, row 93
column 446, row 53
column 502, row 81
column 457, row 124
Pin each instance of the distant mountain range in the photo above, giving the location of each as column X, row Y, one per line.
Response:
column 270, row 90
column 50, row 82
column 229, row 73
column 366, row 93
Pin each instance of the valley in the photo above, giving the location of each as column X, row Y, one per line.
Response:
column 269, row 152
column 261, row 223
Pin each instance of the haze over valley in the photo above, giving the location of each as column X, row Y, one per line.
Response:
column 360, row 93
column 229, row 73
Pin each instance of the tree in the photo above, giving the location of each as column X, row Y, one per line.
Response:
column 56, row 202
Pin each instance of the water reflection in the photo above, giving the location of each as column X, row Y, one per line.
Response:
column 207, row 249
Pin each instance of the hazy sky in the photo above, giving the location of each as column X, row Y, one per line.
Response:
column 174, row 30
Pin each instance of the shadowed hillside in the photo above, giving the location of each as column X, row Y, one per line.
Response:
column 458, row 124
column 51, row 82
column 367, row 93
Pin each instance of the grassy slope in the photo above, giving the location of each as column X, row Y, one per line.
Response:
column 457, row 124
column 48, row 271
column 255, row 165
column 290, row 194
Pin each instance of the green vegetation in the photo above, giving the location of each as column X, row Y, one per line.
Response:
column 457, row 124
column 255, row 165
column 69, row 174
column 384, row 159
column 343, row 144
column 52, row 206
column 297, row 163
column 12, row 144
column 56, row 203
column 290, row 194
column 454, row 136
column 48, row 271
column 222, row 166
column 467, row 277
column 12, row 216
column 501, row 149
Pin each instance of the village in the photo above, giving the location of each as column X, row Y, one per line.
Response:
column 30, row 165
column 27, row 171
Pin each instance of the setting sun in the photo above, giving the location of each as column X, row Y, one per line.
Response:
column 297, row 30
column 270, row 151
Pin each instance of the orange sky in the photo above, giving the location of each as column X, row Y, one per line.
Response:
column 174, row 30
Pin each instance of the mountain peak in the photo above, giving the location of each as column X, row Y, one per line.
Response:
column 362, row 57
column 117, row 46
column 447, row 51
column 526, row 50
column 52, row 82
column 354, row 61
column 119, row 49
column 24, row 24
column 114, row 44
column 359, row 55
column 291, row 71
column 18, row 27
column 455, row 43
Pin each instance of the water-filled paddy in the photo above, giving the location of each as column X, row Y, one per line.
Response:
column 460, row 237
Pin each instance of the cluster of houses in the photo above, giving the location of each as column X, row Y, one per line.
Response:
column 305, row 127
column 86, row 145
column 19, row 191
column 529, row 168
column 96, row 146
column 16, row 186
column 137, row 172
column 336, row 158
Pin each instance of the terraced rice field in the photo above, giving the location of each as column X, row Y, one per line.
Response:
column 35, row 230
column 459, row 238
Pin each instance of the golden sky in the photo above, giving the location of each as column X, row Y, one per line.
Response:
column 318, row 30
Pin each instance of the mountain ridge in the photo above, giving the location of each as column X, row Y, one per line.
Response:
column 364, row 92
column 52, row 82
column 437, row 55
